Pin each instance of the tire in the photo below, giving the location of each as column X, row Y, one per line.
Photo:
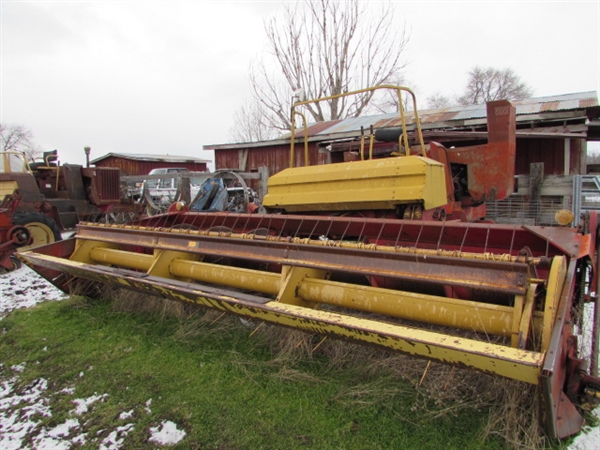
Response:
column 42, row 228
column 16, row 263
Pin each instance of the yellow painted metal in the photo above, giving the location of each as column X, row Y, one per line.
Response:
column 467, row 315
column 398, row 90
column 517, row 314
column 120, row 258
column 238, row 278
column 41, row 234
column 509, row 362
column 297, row 290
column 308, row 287
column 8, row 188
column 362, row 145
column 169, row 264
column 556, row 279
column 526, row 318
column 14, row 162
column 512, row 363
column 373, row 184
column 83, row 250
column 292, row 277
column 164, row 259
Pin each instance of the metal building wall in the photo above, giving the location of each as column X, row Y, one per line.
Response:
column 275, row 158
column 130, row 167
column 551, row 152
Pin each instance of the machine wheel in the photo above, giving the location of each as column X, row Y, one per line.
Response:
column 42, row 228
column 16, row 263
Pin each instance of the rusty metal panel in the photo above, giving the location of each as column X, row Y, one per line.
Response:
column 463, row 113
column 560, row 415
column 275, row 157
column 549, row 106
column 108, row 184
column 319, row 127
column 27, row 186
column 132, row 167
column 228, row 159
column 491, row 167
column 547, row 151
column 588, row 102
column 507, row 277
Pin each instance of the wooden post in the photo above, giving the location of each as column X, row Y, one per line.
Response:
column 536, row 176
column 262, row 182
column 185, row 190
column 567, row 156
column 243, row 159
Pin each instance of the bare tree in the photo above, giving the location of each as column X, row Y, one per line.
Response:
column 18, row 138
column 322, row 48
column 388, row 101
column 493, row 84
column 438, row 101
column 593, row 157
column 249, row 124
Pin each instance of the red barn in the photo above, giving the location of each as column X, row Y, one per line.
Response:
column 132, row 164
column 551, row 130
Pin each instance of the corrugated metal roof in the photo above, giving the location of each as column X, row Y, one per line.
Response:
column 445, row 116
column 440, row 118
column 149, row 157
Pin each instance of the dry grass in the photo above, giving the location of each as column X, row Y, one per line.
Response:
column 131, row 301
column 441, row 390
column 293, row 375
column 514, row 416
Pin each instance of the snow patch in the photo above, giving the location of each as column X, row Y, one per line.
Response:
column 588, row 438
column 18, row 412
column 115, row 439
column 55, row 437
column 166, row 433
column 19, row 368
column 126, row 415
column 84, row 403
column 63, row 428
column 23, row 288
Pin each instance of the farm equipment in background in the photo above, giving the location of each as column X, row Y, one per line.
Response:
column 428, row 182
column 176, row 184
column 39, row 201
column 508, row 300
column 222, row 190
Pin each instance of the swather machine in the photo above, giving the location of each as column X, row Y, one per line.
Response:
column 509, row 300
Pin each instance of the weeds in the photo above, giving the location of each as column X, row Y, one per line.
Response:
column 233, row 383
column 439, row 391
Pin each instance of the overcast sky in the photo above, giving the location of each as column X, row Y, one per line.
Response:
column 166, row 77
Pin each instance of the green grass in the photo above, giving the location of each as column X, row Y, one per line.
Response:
column 226, row 389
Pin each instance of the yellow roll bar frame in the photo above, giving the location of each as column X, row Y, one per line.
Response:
column 402, row 139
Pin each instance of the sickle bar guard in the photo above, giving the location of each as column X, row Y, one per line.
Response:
column 507, row 298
